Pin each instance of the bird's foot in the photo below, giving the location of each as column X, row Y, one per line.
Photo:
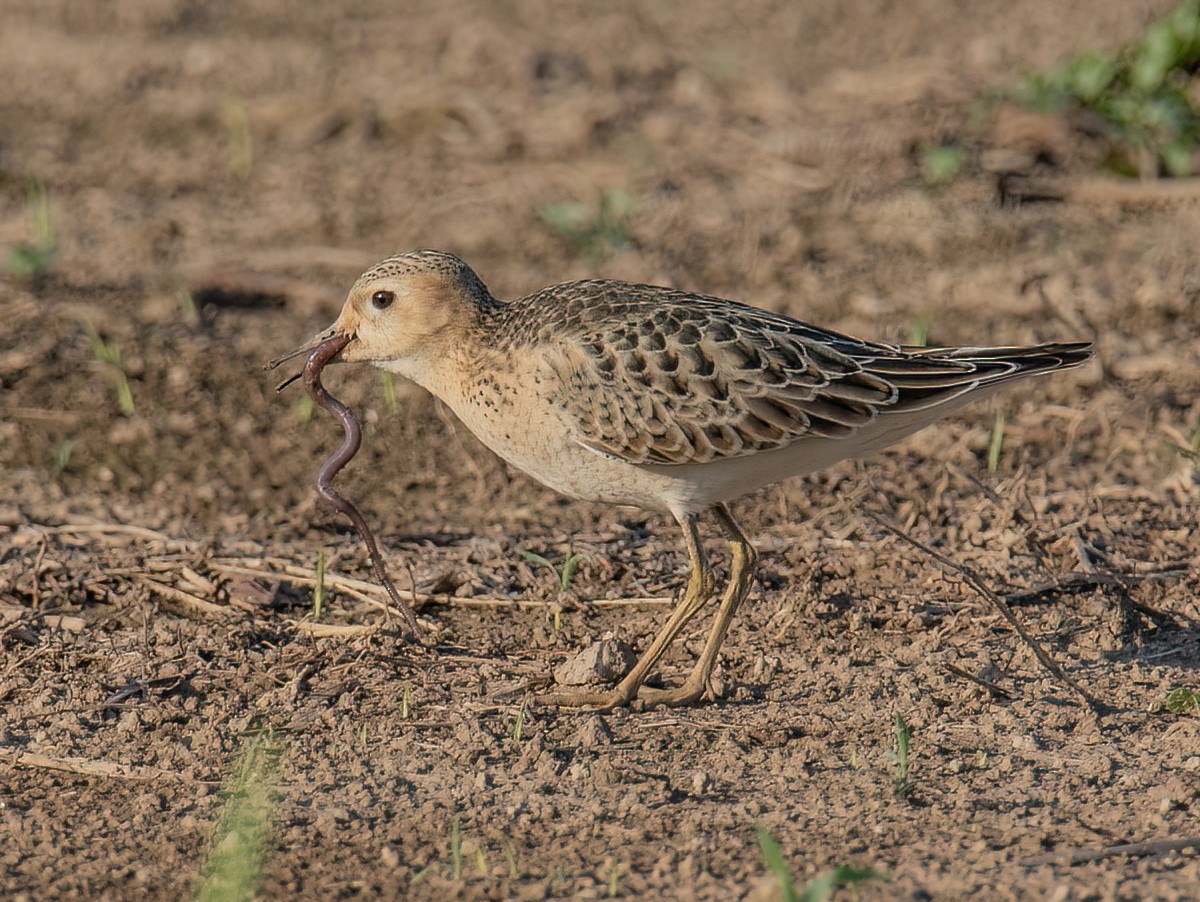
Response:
column 584, row 698
column 679, row 697
column 689, row 693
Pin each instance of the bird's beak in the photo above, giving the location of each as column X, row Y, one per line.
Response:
column 303, row 349
column 307, row 348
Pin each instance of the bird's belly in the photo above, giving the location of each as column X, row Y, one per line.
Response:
column 533, row 439
column 530, row 435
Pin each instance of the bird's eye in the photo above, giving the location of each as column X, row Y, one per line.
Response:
column 381, row 300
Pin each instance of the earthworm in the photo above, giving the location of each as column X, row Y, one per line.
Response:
column 321, row 355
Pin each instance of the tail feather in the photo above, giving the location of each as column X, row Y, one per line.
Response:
column 929, row 377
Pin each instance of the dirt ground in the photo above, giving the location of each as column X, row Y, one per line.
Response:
column 217, row 175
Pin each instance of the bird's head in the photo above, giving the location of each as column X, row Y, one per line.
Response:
column 405, row 311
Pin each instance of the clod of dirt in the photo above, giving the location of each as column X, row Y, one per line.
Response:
column 601, row 662
column 593, row 732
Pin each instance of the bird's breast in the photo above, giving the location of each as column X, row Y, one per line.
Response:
column 521, row 421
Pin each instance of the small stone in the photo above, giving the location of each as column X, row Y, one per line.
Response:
column 602, row 662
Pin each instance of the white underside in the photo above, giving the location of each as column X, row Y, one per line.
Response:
column 534, row 439
column 693, row 488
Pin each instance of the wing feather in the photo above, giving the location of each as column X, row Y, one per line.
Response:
column 654, row 376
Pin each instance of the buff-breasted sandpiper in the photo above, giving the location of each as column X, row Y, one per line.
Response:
column 662, row 399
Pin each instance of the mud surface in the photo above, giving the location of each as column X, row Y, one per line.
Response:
column 218, row 174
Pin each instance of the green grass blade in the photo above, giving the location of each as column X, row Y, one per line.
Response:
column 233, row 870
column 823, row 886
column 318, row 595
column 777, row 865
column 996, row 444
column 903, row 735
column 570, row 566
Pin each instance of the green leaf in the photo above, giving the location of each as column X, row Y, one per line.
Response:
column 821, row 888
column 568, row 218
column 777, row 865
column 30, row 259
column 570, row 565
column 941, row 165
column 1177, row 158
column 1090, row 75
column 996, row 443
column 534, row 558
column 902, row 785
column 1183, row 701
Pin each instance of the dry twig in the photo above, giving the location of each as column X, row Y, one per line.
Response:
column 333, row 630
column 361, row 589
column 190, row 602
column 89, row 767
column 991, row 687
column 976, row 582
column 1133, row 850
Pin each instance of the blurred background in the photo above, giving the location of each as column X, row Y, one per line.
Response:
column 189, row 185
column 188, row 188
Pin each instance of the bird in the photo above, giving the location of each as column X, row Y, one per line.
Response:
column 662, row 399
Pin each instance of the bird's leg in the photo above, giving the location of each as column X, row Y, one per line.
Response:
column 699, row 590
column 741, row 574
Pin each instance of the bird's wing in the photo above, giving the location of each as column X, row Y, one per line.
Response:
column 662, row 377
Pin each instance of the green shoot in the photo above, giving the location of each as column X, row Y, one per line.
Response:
column 1183, row 701
column 125, row 396
column 1144, row 95
column 901, row 783
column 615, row 868
column 777, row 865
column 456, row 852
column 918, row 337
column 820, row 888
column 599, row 231
column 564, row 577
column 996, row 443
column 387, row 381
column 406, row 702
column 570, row 566
column 518, row 730
column 108, row 353
column 305, row 408
column 823, row 886
column 234, row 866
column 941, row 165
column 241, row 146
column 62, row 455
column 481, row 861
column 186, row 304
column 363, row 735
column 318, row 595
column 1189, row 452
column 33, row 258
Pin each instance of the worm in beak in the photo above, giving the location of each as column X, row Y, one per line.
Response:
column 321, row 351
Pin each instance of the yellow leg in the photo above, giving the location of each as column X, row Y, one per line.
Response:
column 699, row 591
column 741, row 575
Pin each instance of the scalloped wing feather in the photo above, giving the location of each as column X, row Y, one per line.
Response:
column 654, row 376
